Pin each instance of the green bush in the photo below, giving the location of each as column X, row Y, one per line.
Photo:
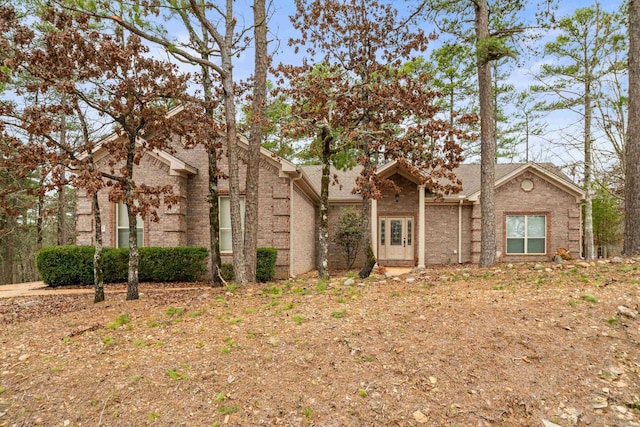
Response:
column 115, row 264
column 66, row 265
column 266, row 264
column 227, row 273
column 174, row 264
column 73, row 265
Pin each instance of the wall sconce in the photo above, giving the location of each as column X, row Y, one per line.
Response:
column 397, row 197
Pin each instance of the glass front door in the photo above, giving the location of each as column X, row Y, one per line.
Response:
column 396, row 238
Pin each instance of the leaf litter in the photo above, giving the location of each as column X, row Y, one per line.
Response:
column 506, row 346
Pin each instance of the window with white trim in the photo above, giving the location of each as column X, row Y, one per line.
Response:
column 526, row 234
column 224, row 216
column 122, row 227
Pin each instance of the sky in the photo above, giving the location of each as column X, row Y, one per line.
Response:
column 551, row 147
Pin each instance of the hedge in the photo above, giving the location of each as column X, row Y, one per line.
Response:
column 66, row 265
column 73, row 265
column 265, row 266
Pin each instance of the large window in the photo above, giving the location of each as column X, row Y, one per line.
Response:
column 526, row 234
column 122, row 227
column 224, row 206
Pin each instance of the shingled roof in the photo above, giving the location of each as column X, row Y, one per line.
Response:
column 469, row 174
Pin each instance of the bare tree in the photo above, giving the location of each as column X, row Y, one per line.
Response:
column 632, row 146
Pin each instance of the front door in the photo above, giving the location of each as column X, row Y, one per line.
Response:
column 396, row 238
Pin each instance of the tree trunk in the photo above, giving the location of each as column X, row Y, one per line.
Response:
column 369, row 263
column 237, row 239
column 132, row 276
column 62, row 223
column 487, row 141
column 39, row 213
column 370, row 259
column 98, row 272
column 134, row 257
column 8, row 248
column 212, row 153
column 255, row 138
column 632, row 146
column 323, row 230
column 214, row 216
column 588, row 199
column 62, row 226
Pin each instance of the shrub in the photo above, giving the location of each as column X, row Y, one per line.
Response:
column 66, row 265
column 115, row 264
column 172, row 264
column 73, row 265
column 227, row 273
column 266, row 264
column 349, row 234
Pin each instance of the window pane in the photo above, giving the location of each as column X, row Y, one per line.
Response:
column 535, row 226
column 242, row 209
column 123, row 238
column 122, row 218
column 224, row 207
column 515, row 226
column 536, row 246
column 515, row 246
column 225, row 240
column 224, row 214
column 396, row 232
column 382, row 232
column 409, row 226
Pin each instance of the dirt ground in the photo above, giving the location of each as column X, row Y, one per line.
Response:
column 523, row 345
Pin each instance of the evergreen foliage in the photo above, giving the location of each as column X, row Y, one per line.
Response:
column 73, row 265
column 266, row 264
column 349, row 234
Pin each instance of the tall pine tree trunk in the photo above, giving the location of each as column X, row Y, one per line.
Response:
column 39, row 215
column 487, row 139
column 237, row 239
column 212, row 153
column 370, row 259
column 588, row 199
column 61, row 211
column 255, row 138
column 9, row 234
column 60, row 180
column 632, row 144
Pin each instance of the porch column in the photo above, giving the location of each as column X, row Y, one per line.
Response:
column 374, row 227
column 421, row 234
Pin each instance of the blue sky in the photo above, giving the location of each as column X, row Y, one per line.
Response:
column 549, row 148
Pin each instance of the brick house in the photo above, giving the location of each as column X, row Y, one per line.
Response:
column 537, row 211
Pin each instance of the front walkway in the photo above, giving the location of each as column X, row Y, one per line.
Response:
column 39, row 288
column 23, row 289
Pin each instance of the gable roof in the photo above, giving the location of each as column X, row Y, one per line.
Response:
column 177, row 167
column 547, row 171
column 469, row 174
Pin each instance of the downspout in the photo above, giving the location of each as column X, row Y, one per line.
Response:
column 460, row 232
